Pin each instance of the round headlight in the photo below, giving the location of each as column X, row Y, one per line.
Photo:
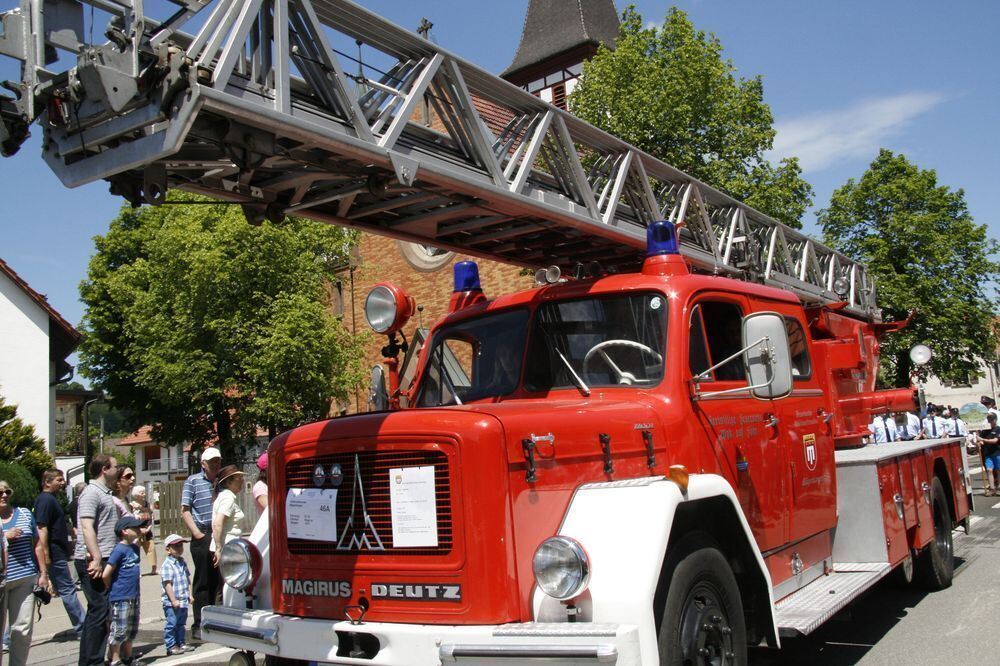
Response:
column 380, row 309
column 319, row 476
column 239, row 564
column 562, row 569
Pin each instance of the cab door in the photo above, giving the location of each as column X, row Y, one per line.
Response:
column 805, row 432
column 746, row 448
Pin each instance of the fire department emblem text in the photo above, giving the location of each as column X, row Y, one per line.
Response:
column 809, row 448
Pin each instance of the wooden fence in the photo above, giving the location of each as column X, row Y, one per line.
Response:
column 170, row 508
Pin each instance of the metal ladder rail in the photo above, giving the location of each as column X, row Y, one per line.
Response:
column 257, row 107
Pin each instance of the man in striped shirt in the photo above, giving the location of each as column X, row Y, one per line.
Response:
column 196, row 511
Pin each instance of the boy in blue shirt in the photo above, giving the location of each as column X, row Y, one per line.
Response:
column 121, row 575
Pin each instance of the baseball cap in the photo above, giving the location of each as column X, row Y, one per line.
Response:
column 126, row 522
column 211, row 453
column 174, row 538
column 262, row 462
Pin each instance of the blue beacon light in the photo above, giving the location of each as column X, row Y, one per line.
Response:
column 467, row 276
column 661, row 238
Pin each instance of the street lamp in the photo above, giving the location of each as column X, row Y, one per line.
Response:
column 87, row 452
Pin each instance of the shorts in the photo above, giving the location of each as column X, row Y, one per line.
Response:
column 124, row 621
column 992, row 461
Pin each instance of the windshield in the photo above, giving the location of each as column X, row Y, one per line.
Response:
column 475, row 359
column 598, row 342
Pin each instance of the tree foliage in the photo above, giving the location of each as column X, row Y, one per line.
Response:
column 19, row 442
column 669, row 91
column 203, row 325
column 925, row 252
column 24, row 484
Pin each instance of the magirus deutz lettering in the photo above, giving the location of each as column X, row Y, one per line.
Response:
column 317, row 588
column 425, row 592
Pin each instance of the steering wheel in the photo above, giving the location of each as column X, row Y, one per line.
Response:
column 621, row 377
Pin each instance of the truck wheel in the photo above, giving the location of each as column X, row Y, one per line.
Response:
column 703, row 615
column 936, row 565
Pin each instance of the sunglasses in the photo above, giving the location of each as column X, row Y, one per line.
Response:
column 128, row 476
column 6, row 491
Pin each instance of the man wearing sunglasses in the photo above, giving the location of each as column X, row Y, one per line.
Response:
column 96, row 539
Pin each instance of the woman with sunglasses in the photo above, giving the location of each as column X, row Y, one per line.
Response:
column 123, row 487
column 23, row 555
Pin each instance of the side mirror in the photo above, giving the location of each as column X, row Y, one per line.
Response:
column 766, row 355
column 378, row 395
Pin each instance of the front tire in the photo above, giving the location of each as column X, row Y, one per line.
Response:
column 703, row 619
column 936, row 565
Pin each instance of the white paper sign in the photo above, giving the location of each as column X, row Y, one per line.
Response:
column 414, row 507
column 311, row 513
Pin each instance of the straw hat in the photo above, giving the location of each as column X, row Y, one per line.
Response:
column 228, row 471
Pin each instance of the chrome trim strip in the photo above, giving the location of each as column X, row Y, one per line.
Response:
column 603, row 653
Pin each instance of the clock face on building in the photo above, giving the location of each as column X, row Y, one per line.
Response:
column 425, row 258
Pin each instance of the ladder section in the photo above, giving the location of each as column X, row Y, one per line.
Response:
column 322, row 109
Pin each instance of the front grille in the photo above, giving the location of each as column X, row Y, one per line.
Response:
column 374, row 466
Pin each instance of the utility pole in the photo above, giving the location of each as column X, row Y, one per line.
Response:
column 88, row 453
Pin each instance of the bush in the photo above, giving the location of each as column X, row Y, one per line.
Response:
column 24, row 485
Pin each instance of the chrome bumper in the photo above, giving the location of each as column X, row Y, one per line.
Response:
column 412, row 644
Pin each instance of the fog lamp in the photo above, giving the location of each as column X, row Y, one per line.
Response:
column 562, row 569
column 240, row 564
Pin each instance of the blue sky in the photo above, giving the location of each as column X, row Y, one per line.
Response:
column 842, row 78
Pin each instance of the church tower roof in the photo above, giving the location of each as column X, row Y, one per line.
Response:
column 558, row 29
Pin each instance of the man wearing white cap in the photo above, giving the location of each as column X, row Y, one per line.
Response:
column 196, row 511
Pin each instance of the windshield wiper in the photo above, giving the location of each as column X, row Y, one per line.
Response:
column 584, row 389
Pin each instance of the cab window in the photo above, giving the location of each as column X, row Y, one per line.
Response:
column 799, row 348
column 716, row 333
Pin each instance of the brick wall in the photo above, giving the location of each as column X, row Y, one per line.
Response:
column 382, row 259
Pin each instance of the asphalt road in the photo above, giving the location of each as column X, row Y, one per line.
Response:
column 888, row 625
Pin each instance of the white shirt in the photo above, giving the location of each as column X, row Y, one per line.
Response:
column 912, row 427
column 956, row 427
column 934, row 427
column 884, row 430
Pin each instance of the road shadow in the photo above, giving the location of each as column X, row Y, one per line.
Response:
column 850, row 634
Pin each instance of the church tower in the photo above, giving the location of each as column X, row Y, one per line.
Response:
column 557, row 37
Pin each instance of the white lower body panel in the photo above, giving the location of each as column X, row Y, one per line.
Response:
column 268, row 633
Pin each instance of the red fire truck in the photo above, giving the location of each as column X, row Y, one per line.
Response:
column 661, row 459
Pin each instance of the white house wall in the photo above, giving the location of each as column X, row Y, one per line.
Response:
column 985, row 383
column 24, row 358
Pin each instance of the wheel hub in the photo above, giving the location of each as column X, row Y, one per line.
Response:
column 706, row 635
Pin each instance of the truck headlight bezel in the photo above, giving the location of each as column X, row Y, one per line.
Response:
column 561, row 567
column 240, row 564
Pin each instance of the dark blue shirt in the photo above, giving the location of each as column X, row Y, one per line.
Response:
column 49, row 513
column 125, row 578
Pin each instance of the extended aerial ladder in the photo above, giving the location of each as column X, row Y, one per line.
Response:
column 259, row 105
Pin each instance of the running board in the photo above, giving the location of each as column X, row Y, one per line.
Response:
column 801, row 612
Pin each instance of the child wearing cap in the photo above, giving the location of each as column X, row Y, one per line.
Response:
column 176, row 582
column 121, row 575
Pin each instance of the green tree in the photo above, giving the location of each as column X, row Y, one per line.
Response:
column 669, row 91
column 925, row 253
column 203, row 325
column 20, row 443
column 24, row 484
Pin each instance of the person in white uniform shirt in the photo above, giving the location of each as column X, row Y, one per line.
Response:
column 934, row 425
column 883, row 429
column 991, row 406
column 955, row 426
column 910, row 428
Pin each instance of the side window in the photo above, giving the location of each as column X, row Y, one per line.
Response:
column 724, row 334
column 697, row 351
column 799, row 348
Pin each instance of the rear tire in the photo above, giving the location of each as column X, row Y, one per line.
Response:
column 936, row 565
column 703, row 619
